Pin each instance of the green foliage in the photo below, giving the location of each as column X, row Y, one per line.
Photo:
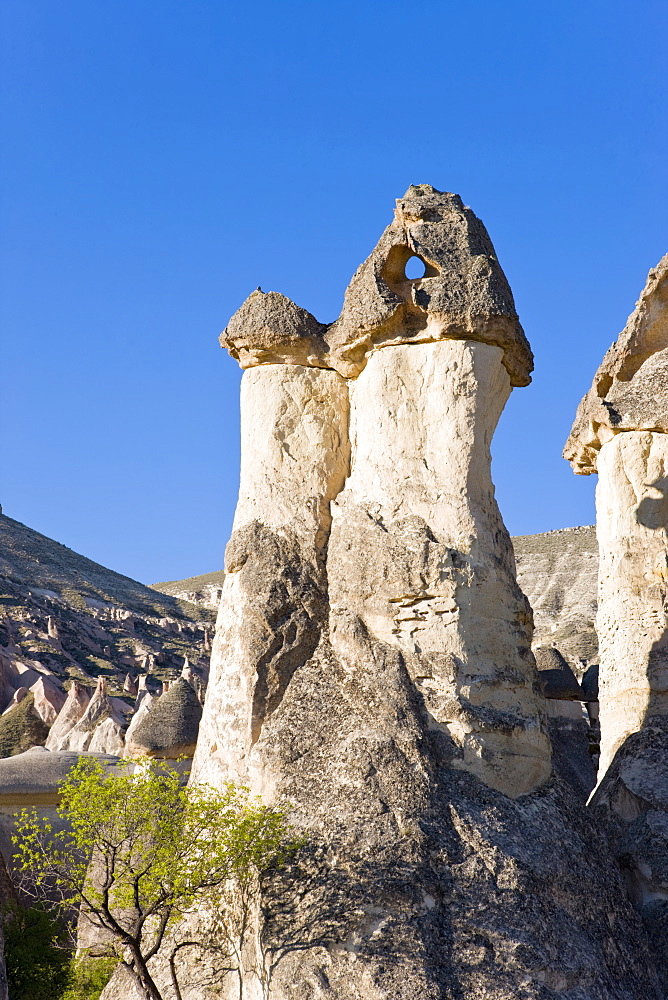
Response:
column 38, row 963
column 88, row 977
column 142, row 849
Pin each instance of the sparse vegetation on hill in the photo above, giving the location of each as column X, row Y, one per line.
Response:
column 214, row 579
column 64, row 618
column 50, row 569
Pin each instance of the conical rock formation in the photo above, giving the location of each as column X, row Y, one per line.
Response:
column 100, row 729
column 168, row 725
column 77, row 701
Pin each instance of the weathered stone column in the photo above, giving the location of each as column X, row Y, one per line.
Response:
column 372, row 664
column 621, row 432
column 294, row 460
column 418, row 550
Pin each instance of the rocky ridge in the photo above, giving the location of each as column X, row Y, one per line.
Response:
column 558, row 572
column 76, row 639
column 204, row 590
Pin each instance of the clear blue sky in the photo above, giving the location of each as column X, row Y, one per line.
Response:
column 162, row 158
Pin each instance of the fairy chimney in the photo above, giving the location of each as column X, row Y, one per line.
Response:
column 621, row 433
column 372, row 662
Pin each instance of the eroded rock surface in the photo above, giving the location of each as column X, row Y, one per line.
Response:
column 631, row 803
column 168, row 726
column 100, row 728
column 372, row 663
column 620, row 432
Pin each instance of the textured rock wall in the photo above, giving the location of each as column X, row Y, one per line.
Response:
column 295, row 456
column 632, row 516
column 372, row 663
column 419, row 554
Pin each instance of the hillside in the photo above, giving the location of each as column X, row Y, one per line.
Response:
column 48, row 568
column 65, row 618
column 558, row 572
column 203, row 590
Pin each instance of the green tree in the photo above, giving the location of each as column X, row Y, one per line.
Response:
column 142, row 850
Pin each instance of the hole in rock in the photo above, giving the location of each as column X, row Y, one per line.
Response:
column 415, row 268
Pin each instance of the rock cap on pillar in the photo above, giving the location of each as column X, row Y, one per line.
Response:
column 463, row 295
column 630, row 388
column 270, row 329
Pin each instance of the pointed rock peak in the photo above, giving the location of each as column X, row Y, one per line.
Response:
column 271, row 329
column 434, row 275
column 188, row 674
column 630, row 389
column 130, row 684
column 170, row 728
column 424, row 202
column 78, row 699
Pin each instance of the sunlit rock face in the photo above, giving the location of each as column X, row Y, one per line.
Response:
column 621, row 432
column 372, row 664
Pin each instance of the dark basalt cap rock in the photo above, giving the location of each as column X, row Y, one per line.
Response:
column 630, row 389
column 271, row 329
column 556, row 678
column 170, row 728
column 462, row 295
column 589, row 683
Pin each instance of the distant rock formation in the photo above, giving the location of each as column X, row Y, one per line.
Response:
column 168, row 725
column 100, row 729
column 372, row 663
column 558, row 572
column 204, row 590
column 621, row 432
column 76, row 704
column 65, row 622
column 22, row 727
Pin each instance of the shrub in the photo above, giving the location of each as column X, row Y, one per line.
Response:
column 88, row 977
column 38, row 962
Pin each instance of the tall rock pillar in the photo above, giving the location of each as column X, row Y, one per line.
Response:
column 295, row 457
column 621, row 432
column 419, row 555
column 372, row 664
